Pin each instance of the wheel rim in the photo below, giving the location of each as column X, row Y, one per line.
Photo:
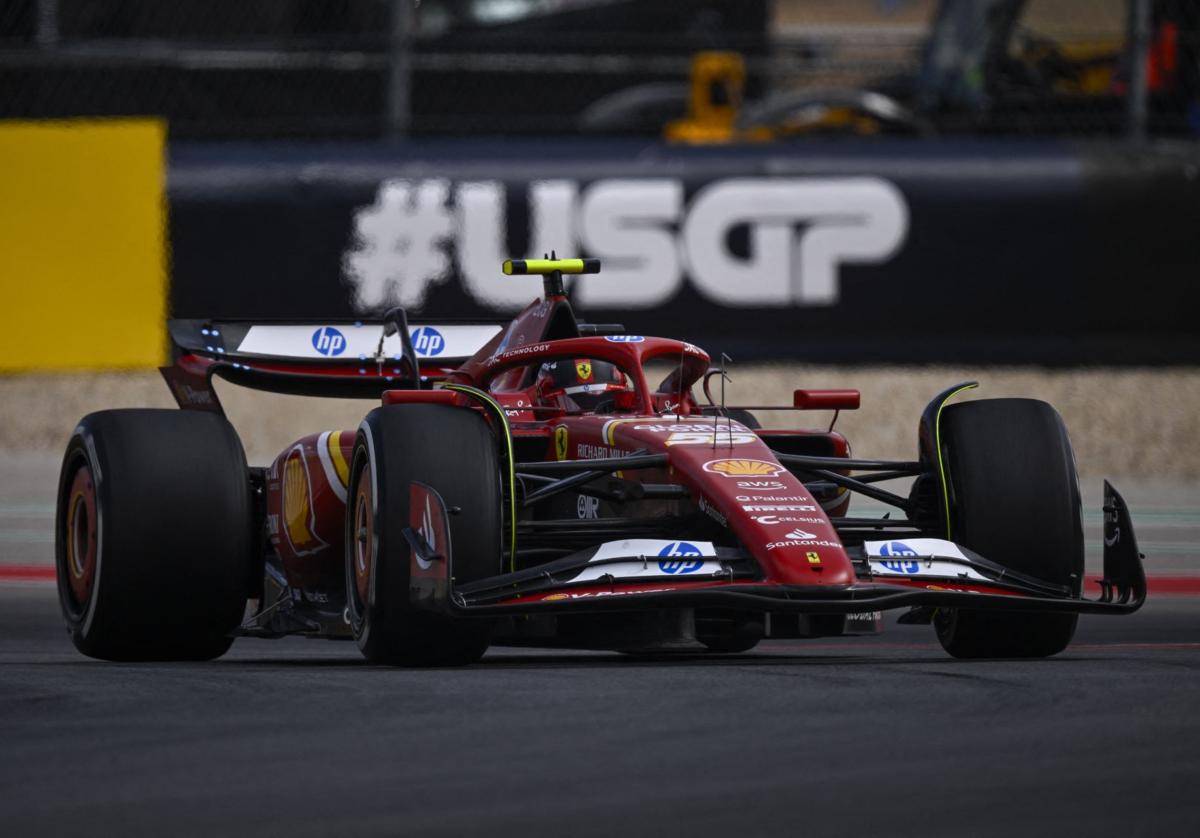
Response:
column 363, row 537
column 80, row 537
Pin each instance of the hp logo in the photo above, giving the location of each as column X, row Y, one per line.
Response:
column 329, row 341
column 428, row 341
column 624, row 338
column 683, row 550
column 907, row 568
column 897, row 548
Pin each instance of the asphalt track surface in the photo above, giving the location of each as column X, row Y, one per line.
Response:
column 847, row 736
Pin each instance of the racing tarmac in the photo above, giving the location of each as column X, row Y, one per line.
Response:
column 846, row 736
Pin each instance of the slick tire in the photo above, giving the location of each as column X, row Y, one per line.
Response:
column 453, row 451
column 1014, row 499
column 154, row 535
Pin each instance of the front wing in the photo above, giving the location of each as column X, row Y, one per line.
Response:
column 603, row 581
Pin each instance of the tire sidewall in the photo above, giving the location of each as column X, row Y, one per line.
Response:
column 175, row 535
column 81, row 452
column 393, row 444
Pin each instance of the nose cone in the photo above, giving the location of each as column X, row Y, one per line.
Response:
column 736, row 479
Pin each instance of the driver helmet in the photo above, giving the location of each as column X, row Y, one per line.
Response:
column 580, row 383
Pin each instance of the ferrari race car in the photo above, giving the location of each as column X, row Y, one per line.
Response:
column 550, row 482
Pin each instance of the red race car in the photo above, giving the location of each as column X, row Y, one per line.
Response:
column 556, row 483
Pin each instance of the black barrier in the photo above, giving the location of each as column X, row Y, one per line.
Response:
column 887, row 251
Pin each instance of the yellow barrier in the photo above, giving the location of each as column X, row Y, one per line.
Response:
column 82, row 230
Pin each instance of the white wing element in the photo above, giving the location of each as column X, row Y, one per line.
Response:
column 919, row 557
column 924, row 557
column 359, row 342
column 652, row 557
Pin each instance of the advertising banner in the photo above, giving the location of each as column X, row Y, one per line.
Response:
column 888, row 251
column 82, row 223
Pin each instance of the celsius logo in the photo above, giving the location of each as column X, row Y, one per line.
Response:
column 897, row 548
column 655, row 237
column 681, row 549
column 428, row 341
column 329, row 341
column 624, row 338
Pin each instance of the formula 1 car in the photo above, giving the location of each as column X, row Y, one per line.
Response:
column 557, row 483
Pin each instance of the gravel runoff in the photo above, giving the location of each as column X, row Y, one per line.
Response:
column 1124, row 422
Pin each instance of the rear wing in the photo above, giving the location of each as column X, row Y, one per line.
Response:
column 343, row 359
column 362, row 358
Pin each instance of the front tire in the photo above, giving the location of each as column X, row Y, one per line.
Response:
column 453, row 451
column 154, row 535
column 1015, row 500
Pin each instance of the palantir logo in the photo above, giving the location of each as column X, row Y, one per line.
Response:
column 428, row 341
column 681, row 549
column 329, row 341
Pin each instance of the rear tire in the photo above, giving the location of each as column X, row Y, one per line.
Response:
column 1015, row 500
column 154, row 535
column 453, row 451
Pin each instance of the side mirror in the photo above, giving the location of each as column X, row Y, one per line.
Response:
column 826, row 399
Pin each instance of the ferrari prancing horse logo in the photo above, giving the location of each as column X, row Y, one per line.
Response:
column 584, row 369
column 560, row 442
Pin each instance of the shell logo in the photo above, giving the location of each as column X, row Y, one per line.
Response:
column 743, row 468
column 298, row 513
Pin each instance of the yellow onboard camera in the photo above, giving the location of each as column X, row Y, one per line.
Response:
column 518, row 267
